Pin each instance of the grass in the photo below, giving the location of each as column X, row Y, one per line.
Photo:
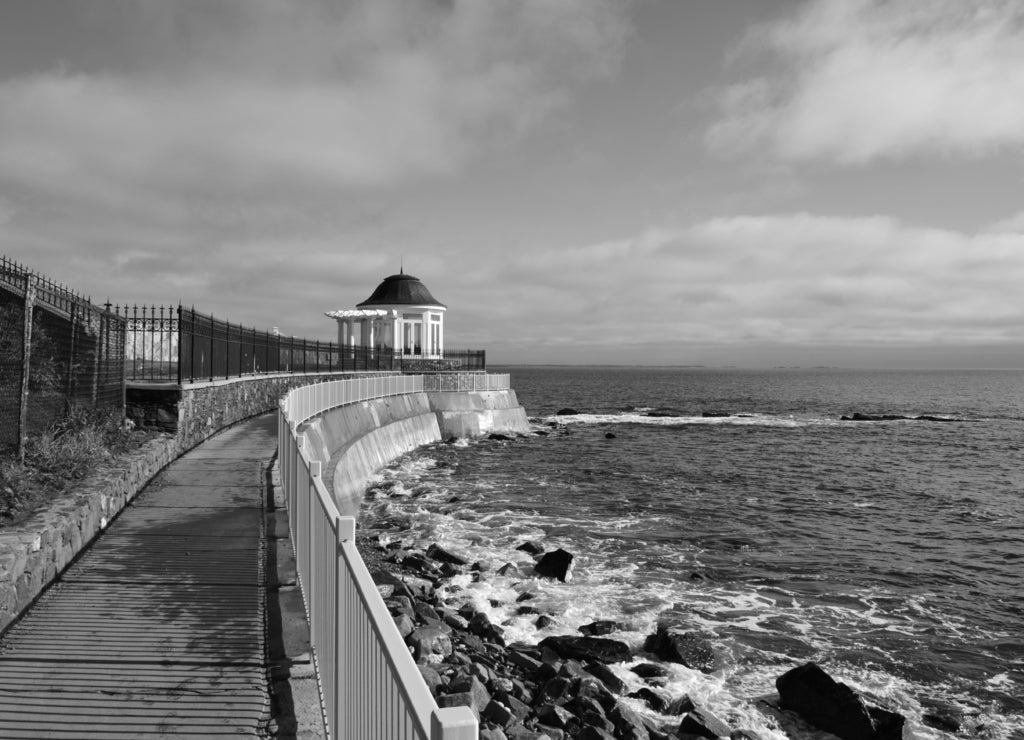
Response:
column 58, row 458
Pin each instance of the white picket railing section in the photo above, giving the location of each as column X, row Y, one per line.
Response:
column 370, row 687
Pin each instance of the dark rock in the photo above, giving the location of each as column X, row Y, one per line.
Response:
column 703, row 723
column 531, row 548
column 650, row 670
column 479, row 696
column 527, row 610
column 590, row 732
column 567, row 412
column 431, row 678
column 555, row 691
column 498, row 713
column 499, row 437
column 680, row 705
column 627, row 723
column 571, row 669
column 714, row 414
column 508, row 569
column 451, row 440
column 426, row 613
column 429, row 640
column 555, row 716
column 609, row 435
column 605, row 674
column 524, row 662
column 556, row 564
column 942, row 716
column 688, row 648
column 651, row 698
column 588, row 648
column 543, row 621
column 601, row 627
column 420, row 564
column 478, row 623
column 587, row 687
column 834, row 707
column 436, row 552
column 455, row 620
column 404, row 624
column 525, row 596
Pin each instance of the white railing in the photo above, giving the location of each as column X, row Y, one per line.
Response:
column 466, row 382
column 370, row 687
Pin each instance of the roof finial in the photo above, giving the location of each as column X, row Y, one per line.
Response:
column 401, row 265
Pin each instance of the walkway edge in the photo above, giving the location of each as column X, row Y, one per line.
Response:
column 35, row 553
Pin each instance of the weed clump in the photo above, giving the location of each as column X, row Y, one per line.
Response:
column 69, row 450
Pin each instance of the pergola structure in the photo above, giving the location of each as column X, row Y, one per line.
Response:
column 401, row 315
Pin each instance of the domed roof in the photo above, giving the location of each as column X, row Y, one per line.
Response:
column 403, row 290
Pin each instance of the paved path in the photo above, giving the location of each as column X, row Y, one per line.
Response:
column 158, row 629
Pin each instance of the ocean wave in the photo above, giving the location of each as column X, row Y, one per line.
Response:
column 673, row 420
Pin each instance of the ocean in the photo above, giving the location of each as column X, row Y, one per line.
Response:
column 739, row 504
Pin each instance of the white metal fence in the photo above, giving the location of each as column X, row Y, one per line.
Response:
column 370, row 687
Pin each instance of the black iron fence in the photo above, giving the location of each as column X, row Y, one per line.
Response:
column 168, row 344
column 57, row 350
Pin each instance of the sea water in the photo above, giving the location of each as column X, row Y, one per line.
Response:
column 889, row 552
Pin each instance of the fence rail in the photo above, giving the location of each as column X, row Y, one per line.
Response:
column 175, row 344
column 57, row 351
column 369, row 684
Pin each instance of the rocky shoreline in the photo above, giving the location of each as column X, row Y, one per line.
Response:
column 564, row 686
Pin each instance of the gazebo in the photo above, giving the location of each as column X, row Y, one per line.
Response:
column 400, row 315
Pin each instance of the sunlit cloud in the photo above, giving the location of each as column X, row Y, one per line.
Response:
column 855, row 81
column 224, row 138
column 783, row 279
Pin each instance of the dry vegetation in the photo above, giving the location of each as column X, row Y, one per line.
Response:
column 58, row 458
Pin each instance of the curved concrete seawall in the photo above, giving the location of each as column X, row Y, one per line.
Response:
column 355, row 441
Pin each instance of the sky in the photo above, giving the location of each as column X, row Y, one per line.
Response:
column 675, row 182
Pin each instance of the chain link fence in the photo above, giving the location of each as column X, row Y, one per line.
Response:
column 57, row 352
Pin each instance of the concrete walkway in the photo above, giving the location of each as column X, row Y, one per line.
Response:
column 158, row 629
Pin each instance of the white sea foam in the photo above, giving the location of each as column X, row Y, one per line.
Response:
column 768, row 420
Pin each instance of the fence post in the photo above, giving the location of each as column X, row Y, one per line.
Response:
column 26, row 365
column 192, row 345
column 453, row 723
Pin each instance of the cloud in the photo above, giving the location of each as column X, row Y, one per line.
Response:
column 793, row 280
column 204, row 130
column 858, row 81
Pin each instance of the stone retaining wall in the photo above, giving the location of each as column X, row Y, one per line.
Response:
column 39, row 549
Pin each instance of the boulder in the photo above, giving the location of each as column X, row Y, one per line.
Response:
column 436, row 552
column 480, row 697
column 650, row 670
column 431, row 678
column 609, row 435
column 567, row 412
column 531, row 548
column 627, row 723
column 543, row 621
column 498, row 713
column 687, row 648
column 499, row 437
column 601, row 627
column 492, row 733
column 604, row 673
column 702, row 723
column 834, row 707
column 651, row 698
column 556, row 564
column 599, row 649
column 429, row 641
column 591, row 732
column 555, row 716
